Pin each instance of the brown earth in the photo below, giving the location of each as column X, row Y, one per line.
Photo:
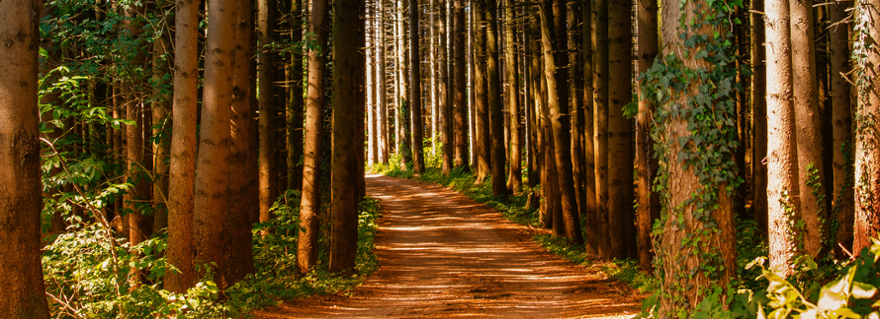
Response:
column 445, row 255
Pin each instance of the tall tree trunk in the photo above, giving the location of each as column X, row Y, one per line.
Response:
column 600, row 120
column 483, row 143
column 561, row 131
column 496, row 114
column 444, row 106
column 404, row 106
column 415, row 87
column 575, row 89
column 620, row 154
column 237, row 236
column 459, row 73
column 759, row 116
column 295, row 103
column 212, row 176
column 514, row 179
column 648, row 200
column 382, row 97
column 348, row 100
column 183, row 149
column 867, row 164
column 591, row 217
column 782, row 166
column 696, row 252
column 371, row 91
column 811, row 166
column 160, row 144
column 266, row 71
column 310, row 203
column 22, row 295
column 841, row 130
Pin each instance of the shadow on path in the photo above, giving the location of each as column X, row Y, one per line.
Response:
column 445, row 255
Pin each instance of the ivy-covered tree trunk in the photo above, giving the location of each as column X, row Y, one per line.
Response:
column 183, row 149
column 783, row 201
column 811, row 165
column 348, row 100
column 310, row 202
column 459, row 98
column 841, row 131
column 22, row 295
column 867, row 157
column 648, row 200
column 212, row 177
column 696, row 132
column 620, row 154
column 600, row 120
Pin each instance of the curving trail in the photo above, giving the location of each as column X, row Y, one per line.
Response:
column 444, row 255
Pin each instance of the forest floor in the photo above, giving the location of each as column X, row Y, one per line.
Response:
column 445, row 255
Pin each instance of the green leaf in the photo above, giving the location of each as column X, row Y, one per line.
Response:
column 862, row 290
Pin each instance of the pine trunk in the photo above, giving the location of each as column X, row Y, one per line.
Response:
column 867, row 164
column 648, row 200
column 841, row 131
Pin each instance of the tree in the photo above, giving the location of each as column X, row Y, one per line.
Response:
column 561, row 135
column 444, row 106
column 811, row 165
column 295, row 103
column 181, row 195
column 496, row 114
column 759, row 115
column 620, row 155
column 514, row 178
column 20, row 186
column 404, row 140
column 695, row 252
column 591, row 210
column 266, row 72
column 482, row 140
column 599, row 47
column 310, row 203
column 211, row 203
column 459, row 102
column 782, row 166
column 649, row 201
column 348, row 104
column 381, row 105
column 841, row 130
column 415, row 86
column 867, row 155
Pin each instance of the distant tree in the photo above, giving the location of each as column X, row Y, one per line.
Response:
column 415, row 100
column 22, row 295
column 443, row 90
column 459, row 100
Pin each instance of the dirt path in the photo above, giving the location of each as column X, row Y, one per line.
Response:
column 445, row 255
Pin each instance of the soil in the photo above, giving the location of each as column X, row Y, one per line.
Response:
column 445, row 255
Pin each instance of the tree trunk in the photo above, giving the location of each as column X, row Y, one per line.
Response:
column 23, row 290
column 310, row 203
column 183, row 149
column 600, row 120
column 575, row 104
column 348, row 100
column 405, row 142
column 620, row 154
column 212, row 176
column 265, row 35
column 295, row 103
column 514, row 179
column 496, row 114
column 160, row 145
column 415, row 88
column 561, row 132
column 237, row 234
column 696, row 252
column 591, row 217
column 444, row 106
column 782, row 166
column 759, row 116
column 841, row 131
column 811, row 166
column 867, row 164
column 483, row 143
column 381, row 96
column 648, row 200
column 459, row 101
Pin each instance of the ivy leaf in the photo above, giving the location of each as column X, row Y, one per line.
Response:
column 862, row 290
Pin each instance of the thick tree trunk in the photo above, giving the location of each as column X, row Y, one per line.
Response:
column 265, row 35
column 807, row 118
column 183, row 149
column 514, row 178
column 782, row 166
column 348, row 100
column 591, row 217
column 459, row 73
column 496, row 114
column 841, row 131
column 212, row 176
column 415, row 88
column 295, row 103
column 237, row 236
column 759, row 116
column 867, row 164
column 648, row 200
column 600, row 120
column 561, row 132
column 620, row 154
column 483, row 143
column 310, row 204
column 22, row 295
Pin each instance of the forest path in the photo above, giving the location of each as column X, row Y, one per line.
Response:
column 444, row 255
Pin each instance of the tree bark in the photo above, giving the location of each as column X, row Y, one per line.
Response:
column 404, row 105
column 514, row 178
column 600, row 120
column 591, row 217
column 867, row 164
column 348, row 102
column 620, row 154
column 483, row 143
column 841, row 130
column 415, row 88
column 782, row 166
column 265, row 35
column 444, row 106
column 575, row 87
column 759, row 116
column 161, row 144
column 23, row 290
column 295, row 103
column 310, row 203
column 648, row 200
column 496, row 114
column 459, row 73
